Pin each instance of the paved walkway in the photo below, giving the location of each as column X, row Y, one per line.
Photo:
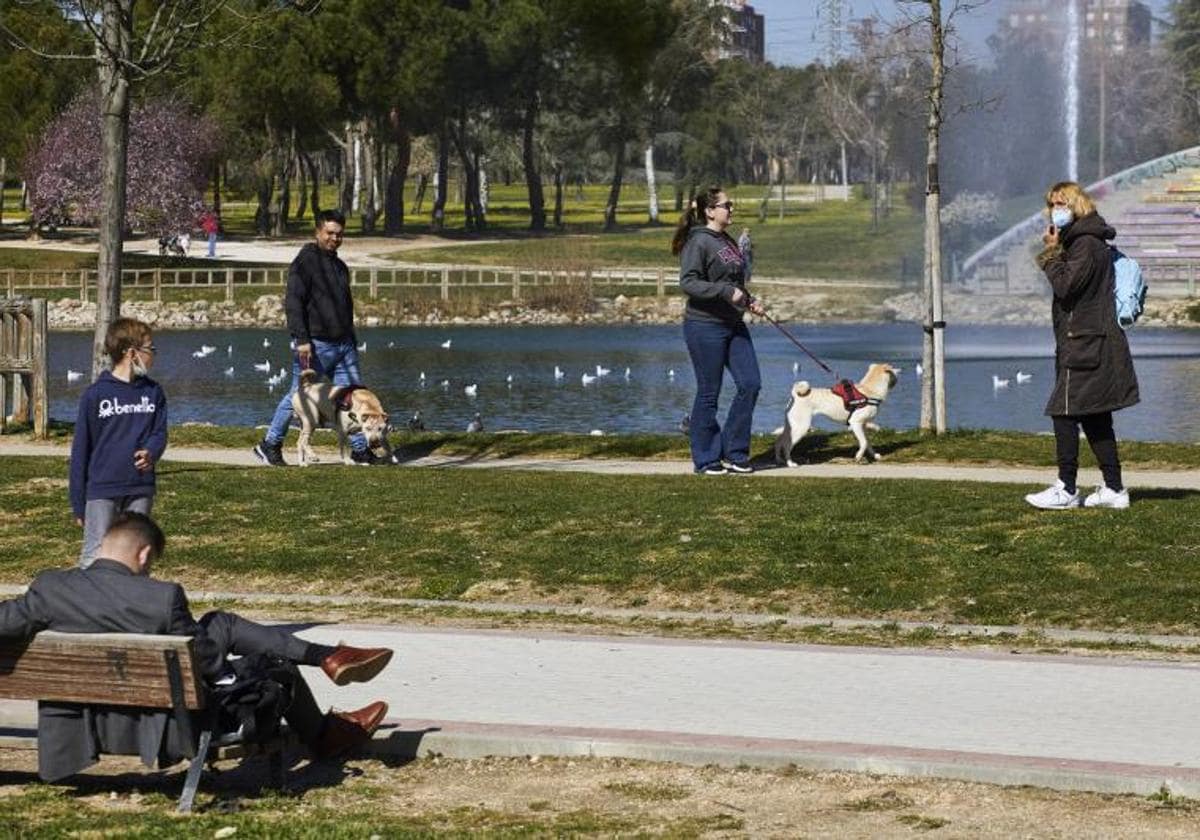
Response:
column 1073, row 723
column 1039, row 476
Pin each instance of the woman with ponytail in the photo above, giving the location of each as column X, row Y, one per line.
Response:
column 712, row 273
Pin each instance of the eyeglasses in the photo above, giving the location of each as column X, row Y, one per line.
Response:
column 147, row 348
column 728, row 205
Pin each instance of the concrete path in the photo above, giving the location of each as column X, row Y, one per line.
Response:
column 1035, row 476
column 1071, row 723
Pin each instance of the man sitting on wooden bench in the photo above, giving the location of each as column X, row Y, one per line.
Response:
column 117, row 595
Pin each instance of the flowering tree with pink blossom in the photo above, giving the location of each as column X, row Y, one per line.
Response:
column 170, row 152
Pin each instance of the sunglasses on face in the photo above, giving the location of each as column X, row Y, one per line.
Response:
column 728, row 205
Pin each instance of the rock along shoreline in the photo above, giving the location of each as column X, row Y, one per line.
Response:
column 825, row 306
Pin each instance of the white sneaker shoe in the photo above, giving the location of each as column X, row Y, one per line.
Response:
column 1105, row 498
column 1054, row 497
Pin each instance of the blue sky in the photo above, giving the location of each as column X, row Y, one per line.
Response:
column 793, row 38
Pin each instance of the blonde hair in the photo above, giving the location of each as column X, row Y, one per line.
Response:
column 1080, row 202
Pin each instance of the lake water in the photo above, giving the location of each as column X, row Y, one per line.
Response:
column 649, row 400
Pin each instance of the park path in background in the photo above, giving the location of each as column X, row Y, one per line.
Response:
column 1037, row 476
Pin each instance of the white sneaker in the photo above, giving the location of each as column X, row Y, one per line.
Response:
column 1105, row 498
column 1054, row 497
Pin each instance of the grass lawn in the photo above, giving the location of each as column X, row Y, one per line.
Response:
column 957, row 552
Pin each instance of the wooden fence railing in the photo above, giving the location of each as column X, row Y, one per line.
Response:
column 433, row 277
column 23, row 325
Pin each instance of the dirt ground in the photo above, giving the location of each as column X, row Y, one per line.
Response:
column 617, row 797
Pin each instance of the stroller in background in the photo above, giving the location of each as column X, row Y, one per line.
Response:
column 176, row 245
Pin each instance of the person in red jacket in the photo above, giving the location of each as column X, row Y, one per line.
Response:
column 210, row 224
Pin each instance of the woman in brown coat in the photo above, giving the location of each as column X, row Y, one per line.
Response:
column 1093, row 370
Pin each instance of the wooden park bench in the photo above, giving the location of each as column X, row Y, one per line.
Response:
column 127, row 669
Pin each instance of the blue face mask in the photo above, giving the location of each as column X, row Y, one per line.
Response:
column 1061, row 217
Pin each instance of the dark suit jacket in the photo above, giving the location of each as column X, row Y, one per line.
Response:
column 106, row 597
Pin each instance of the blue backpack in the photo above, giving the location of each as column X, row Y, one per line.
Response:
column 1130, row 288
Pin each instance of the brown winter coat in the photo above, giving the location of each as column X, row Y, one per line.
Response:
column 1092, row 364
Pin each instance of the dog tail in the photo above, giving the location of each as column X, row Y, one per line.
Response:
column 308, row 376
column 801, row 389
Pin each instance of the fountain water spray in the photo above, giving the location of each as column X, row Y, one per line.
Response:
column 1071, row 72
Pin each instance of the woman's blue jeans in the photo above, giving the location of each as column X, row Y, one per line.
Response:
column 713, row 347
column 337, row 360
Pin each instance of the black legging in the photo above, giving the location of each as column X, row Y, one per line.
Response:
column 1099, row 431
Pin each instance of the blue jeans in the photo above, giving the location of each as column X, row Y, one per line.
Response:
column 336, row 359
column 212, row 244
column 713, row 347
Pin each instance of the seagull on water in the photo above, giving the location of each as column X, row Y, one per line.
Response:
column 471, row 390
column 264, row 367
column 509, row 380
column 587, row 379
column 671, row 373
column 391, row 344
column 795, row 368
column 229, row 350
column 445, row 383
column 446, row 344
column 266, row 342
column 362, row 348
column 421, row 379
column 998, row 383
column 596, row 433
column 1023, row 377
column 558, row 372
column 476, row 424
column 626, row 374
column 920, row 370
column 229, row 371
column 602, row 371
column 74, row 375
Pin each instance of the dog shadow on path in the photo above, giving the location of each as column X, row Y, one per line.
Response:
column 826, row 447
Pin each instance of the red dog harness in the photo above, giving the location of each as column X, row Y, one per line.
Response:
column 341, row 399
column 852, row 398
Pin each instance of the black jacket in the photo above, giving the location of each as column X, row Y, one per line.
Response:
column 106, row 597
column 710, row 269
column 1093, row 366
column 318, row 302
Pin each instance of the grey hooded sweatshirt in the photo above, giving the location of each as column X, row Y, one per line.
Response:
column 710, row 269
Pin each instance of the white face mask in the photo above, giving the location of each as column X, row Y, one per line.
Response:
column 1061, row 217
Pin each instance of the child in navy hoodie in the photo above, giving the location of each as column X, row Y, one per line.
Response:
column 120, row 433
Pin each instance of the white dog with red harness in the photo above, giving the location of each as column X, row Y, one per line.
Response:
column 855, row 404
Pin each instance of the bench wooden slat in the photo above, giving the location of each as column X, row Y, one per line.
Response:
column 120, row 669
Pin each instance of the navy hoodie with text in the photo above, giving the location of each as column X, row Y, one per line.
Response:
column 115, row 420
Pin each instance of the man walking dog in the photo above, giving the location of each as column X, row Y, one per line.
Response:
column 320, row 318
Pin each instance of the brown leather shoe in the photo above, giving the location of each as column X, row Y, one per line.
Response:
column 350, row 664
column 346, row 730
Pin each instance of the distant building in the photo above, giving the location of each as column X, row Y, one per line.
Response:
column 745, row 34
column 1117, row 24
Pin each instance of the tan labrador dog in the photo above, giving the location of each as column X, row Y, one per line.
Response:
column 314, row 403
column 806, row 401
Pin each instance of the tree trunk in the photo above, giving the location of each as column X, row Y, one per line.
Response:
column 302, row 186
column 216, row 188
column 441, row 177
column 117, row 34
column 393, row 202
column 651, row 185
column 346, row 187
column 933, row 391
column 560, row 181
column 533, row 178
column 614, row 192
column 419, row 198
column 370, row 156
column 283, row 177
column 314, row 179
